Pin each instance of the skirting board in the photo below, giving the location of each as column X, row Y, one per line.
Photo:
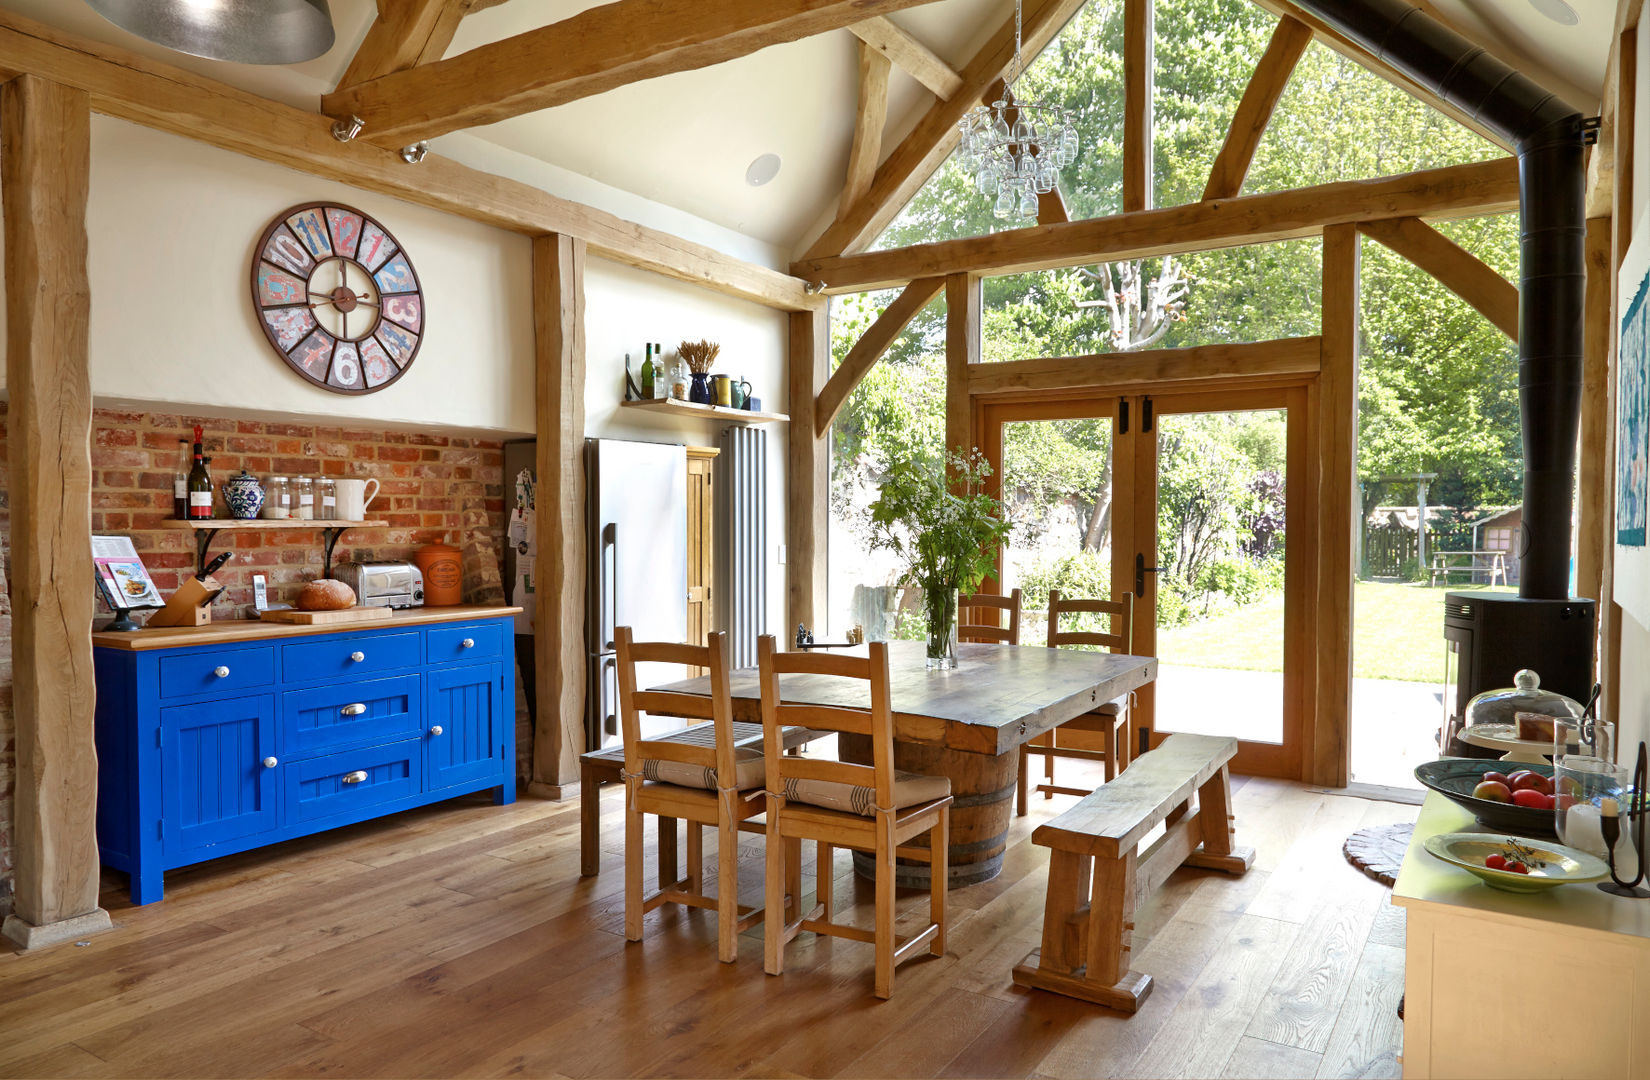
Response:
column 30, row 936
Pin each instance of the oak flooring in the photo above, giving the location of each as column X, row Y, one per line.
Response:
column 459, row 940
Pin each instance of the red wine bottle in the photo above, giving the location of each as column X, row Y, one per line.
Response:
column 180, row 483
column 200, row 485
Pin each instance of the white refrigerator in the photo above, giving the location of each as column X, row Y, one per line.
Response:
column 637, row 544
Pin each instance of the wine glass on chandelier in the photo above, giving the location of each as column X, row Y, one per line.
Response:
column 1014, row 151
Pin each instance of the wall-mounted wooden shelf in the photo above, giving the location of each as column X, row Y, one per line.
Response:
column 707, row 412
column 206, row 529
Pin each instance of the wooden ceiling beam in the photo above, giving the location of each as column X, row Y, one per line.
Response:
column 406, row 33
column 1355, row 52
column 935, row 135
column 1485, row 187
column 869, row 120
column 1287, row 356
column 909, row 55
column 869, row 349
column 1254, row 111
column 597, row 50
column 1456, row 268
column 131, row 87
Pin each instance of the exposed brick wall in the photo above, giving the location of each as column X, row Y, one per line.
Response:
column 433, row 488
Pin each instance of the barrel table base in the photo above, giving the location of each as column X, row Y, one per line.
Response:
column 982, row 808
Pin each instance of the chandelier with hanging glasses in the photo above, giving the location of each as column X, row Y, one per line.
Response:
column 1015, row 149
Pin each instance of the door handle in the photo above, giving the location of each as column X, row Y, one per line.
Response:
column 353, row 710
column 355, row 777
column 1140, row 572
column 610, row 616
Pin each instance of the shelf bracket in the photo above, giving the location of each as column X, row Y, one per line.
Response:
column 329, row 540
column 203, row 543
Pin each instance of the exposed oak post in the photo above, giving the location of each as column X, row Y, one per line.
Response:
column 963, row 327
column 45, row 159
column 1138, row 31
column 869, row 349
column 909, row 55
column 1594, row 500
column 808, row 477
column 1254, row 111
column 1338, row 504
column 869, row 120
column 558, row 599
column 1455, row 268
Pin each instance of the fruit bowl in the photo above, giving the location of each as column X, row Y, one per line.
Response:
column 1551, row 865
column 1454, row 778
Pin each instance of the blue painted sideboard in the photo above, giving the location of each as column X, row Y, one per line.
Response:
column 221, row 738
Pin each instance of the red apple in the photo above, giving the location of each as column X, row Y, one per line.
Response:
column 1498, row 777
column 1521, row 778
column 1492, row 791
column 1531, row 799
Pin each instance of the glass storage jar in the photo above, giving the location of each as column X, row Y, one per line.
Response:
column 326, row 499
column 277, row 499
column 303, row 503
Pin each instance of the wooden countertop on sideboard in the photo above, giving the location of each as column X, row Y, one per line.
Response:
column 231, row 631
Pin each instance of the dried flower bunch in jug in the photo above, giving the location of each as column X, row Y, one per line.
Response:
column 700, row 355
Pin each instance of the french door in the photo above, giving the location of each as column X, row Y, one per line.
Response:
column 1180, row 501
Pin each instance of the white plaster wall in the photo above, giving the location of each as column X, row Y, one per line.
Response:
column 626, row 308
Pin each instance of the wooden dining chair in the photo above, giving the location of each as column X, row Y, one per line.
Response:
column 872, row 808
column 1109, row 721
column 980, row 618
column 701, row 784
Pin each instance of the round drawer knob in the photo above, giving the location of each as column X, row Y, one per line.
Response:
column 436, row 730
column 221, row 672
column 270, row 763
column 468, row 643
column 357, row 656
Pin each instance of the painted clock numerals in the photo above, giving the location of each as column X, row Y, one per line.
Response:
column 338, row 298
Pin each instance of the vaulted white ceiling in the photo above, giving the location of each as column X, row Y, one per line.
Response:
column 685, row 140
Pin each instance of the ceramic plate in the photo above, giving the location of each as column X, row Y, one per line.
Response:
column 1454, row 778
column 1551, row 865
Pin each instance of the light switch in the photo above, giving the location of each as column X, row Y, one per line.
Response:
column 781, row 554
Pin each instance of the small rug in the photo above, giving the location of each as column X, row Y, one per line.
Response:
column 1379, row 850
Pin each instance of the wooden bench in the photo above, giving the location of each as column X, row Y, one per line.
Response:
column 598, row 767
column 1096, row 878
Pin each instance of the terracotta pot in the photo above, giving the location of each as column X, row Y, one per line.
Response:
column 443, row 568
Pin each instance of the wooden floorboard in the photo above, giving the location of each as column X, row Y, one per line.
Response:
column 459, row 940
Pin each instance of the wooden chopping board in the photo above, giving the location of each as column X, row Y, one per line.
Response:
column 346, row 615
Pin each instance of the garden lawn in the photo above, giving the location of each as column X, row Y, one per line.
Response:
column 1398, row 633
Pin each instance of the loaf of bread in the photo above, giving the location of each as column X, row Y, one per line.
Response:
column 327, row 594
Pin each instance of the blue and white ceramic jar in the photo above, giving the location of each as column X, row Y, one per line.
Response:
column 243, row 495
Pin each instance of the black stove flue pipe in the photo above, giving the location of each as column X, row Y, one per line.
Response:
column 1549, row 137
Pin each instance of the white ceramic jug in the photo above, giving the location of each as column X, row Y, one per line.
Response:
column 353, row 499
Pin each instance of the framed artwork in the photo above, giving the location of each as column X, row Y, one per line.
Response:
column 338, row 298
column 1632, row 555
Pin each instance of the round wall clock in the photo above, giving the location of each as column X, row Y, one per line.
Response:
column 338, row 298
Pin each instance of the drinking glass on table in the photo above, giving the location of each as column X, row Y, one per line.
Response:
column 1588, row 786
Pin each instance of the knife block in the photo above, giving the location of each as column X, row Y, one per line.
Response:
column 190, row 605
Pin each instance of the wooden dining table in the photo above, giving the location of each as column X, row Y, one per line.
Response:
column 966, row 723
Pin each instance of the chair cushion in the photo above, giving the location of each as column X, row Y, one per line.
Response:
column 909, row 790
column 749, row 771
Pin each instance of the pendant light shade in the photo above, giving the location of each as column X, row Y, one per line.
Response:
column 242, row 31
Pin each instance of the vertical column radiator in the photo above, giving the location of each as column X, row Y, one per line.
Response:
column 742, row 534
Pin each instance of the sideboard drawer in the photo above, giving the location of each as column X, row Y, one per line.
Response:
column 350, row 714
column 472, row 641
column 350, row 782
column 216, row 672
column 335, row 657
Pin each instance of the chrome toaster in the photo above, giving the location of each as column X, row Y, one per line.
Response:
column 383, row 584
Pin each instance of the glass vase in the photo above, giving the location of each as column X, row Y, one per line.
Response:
column 942, row 628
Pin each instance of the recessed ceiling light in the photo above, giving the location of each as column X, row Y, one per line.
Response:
column 762, row 170
column 1557, row 10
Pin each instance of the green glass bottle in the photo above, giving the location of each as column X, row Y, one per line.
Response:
column 649, row 373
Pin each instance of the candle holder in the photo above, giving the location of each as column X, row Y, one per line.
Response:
column 1610, row 825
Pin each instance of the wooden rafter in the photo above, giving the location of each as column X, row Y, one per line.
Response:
column 1456, row 268
column 598, row 49
column 1335, row 40
column 935, row 135
column 869, row 349
column 1254, row 111
column 869, row 120
column 1487, row 187
column 158, row 95
column 406, row 33
column 909, row 55
column 1138, row 22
